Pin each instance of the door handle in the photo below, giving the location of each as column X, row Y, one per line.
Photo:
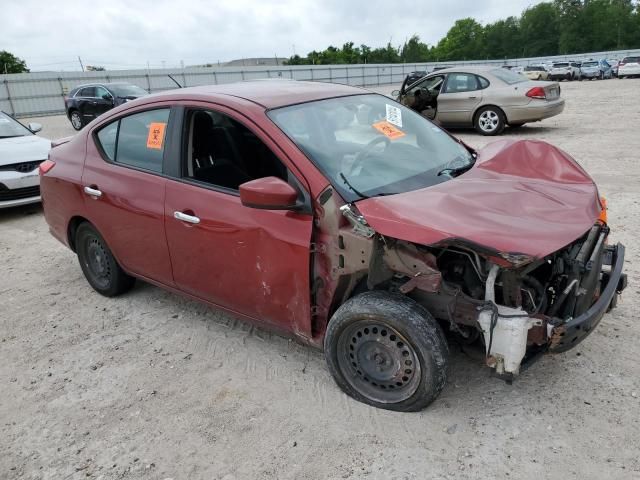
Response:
column 186, row 218
column 473, row 97
column 94, row 192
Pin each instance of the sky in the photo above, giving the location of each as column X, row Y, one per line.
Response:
column 51, row 34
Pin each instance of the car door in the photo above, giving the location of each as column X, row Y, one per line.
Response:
column 124, row 190
column 103, row 101
column 87, row 103
column 251, row 261
column 458, row 99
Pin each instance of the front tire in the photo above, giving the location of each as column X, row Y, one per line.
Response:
column 387, row 351
column 489, row 121
column 76, row 120
column 98, row 264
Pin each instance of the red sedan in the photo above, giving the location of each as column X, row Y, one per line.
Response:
column 344, row 219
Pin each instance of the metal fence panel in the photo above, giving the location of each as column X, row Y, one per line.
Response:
column 42, row 93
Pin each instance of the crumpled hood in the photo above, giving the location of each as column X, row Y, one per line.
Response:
column 521, row 197
column 23, row 149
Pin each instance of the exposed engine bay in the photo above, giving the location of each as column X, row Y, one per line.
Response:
column 518, row 306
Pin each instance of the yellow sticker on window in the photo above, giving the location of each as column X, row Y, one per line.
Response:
column 389, row 130
column 156, row 135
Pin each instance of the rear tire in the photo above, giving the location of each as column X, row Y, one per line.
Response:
column 386, row 350
column 98, row 264
column 489, row 121
column 76, row 120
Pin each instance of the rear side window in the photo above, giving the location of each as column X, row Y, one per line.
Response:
column 137, row 140
column 483, row 82
column 87, row 92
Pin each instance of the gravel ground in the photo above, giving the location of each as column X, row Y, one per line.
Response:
column 151, row 385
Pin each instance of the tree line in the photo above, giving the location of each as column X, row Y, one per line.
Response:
column 559, row 27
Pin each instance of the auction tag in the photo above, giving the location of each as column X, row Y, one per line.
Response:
column 394, row 115
column 388, row 130
column 156, row 135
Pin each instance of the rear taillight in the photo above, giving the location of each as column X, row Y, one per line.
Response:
column 536, row 92
column 620, row 64
column 46, row 166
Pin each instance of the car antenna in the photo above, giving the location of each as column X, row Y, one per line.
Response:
column 174, row 80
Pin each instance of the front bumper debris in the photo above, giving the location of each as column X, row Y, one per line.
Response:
column 567, row 335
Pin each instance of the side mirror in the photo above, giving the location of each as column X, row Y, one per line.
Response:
column 268, row 193
column 34, row 127
column 395, row 93
column 107, row 97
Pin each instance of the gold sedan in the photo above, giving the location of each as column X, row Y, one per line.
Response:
column 536, row 72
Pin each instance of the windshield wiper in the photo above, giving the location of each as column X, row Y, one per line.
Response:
column 453, row 171
column 351, row 187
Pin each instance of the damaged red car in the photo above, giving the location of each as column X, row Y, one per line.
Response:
column 344, row 219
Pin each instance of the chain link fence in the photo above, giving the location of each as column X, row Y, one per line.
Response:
column 43, row 93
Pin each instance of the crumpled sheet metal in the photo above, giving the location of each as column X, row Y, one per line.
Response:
column 521, row 197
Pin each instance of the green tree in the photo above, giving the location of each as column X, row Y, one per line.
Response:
column 463, row 41
column 502, row 39
column 9, row 63
column 539, row 34
column 414, row 50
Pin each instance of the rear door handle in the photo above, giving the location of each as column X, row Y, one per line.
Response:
column 186, row 218
column 473, row 97
column 94, row 192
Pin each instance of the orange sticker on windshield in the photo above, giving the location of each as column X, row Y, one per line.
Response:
column 389, row 130
column 156, row 135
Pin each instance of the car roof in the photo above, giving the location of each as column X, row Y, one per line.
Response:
column 271, row 93
column 469, row 69
column 102, row 84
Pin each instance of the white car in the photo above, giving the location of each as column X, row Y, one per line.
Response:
column 629, row 66
column 565, row 71
column 21, row 152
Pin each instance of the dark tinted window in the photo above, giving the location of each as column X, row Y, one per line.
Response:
column 137, row 140
column 87, row 92
column 225, row 153
column 461, row 82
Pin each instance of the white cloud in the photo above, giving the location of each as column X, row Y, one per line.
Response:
column 122, row 33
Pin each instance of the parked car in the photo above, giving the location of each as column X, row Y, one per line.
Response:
column 415, row 76
column 565, row 71
column 536, row 72
column 21, row 152
column 598, row 69
column 629, row 67
column 344, row 219
column 486, row 98
column 86, row 102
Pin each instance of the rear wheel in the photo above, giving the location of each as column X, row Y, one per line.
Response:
column 76, row 120
column 489, row 121
column 386, row 350
column 98, row 264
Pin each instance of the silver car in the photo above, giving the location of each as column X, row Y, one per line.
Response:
column 21, row 152
column 486, row 98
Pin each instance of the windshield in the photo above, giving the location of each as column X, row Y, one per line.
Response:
column 590, row 64
column 508, row 76
column 11, row 128
column 533, row 69
column 369, row 145
column 127, row 90
column 560, row 65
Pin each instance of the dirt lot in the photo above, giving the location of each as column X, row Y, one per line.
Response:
column 151, row 385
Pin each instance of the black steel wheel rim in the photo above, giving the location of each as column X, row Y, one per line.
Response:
column 96, row 261
column 378, row 362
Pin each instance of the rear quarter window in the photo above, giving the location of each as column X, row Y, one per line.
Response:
column 137, row 140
